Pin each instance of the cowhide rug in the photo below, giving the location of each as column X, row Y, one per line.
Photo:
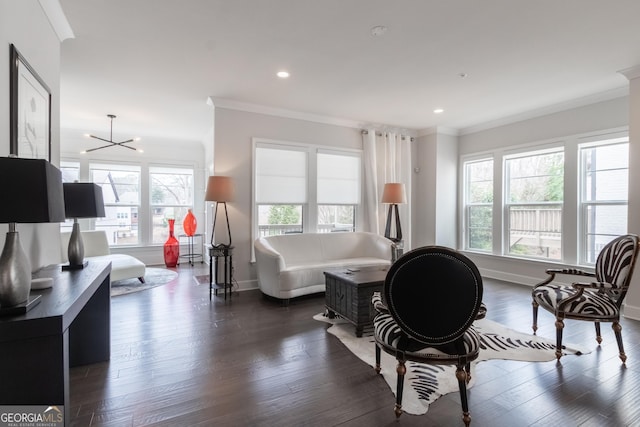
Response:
column 426, row 383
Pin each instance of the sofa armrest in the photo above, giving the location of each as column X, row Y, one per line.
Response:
column 269, row 264
column 381, row 246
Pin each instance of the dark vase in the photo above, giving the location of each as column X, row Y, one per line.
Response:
column 189, row 224
column 171, row 247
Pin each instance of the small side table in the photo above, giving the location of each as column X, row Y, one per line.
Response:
column 215, row 253
column 191, row 254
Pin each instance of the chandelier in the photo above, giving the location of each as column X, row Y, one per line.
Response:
column 110, row 140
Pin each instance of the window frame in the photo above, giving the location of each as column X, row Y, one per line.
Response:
column 584, row 205
column 166, row 169
column 310, row 208
column 144, row 227
column 467, row 205
column 507, row 204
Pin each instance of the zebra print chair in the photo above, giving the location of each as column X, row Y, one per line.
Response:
column 433, row 294
column 599, row 300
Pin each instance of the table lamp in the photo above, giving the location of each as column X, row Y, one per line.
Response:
column 393, row 194
column 219, row 190
column 81, row 200
column 31, row 192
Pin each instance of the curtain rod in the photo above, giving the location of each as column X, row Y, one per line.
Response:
column 366, row 132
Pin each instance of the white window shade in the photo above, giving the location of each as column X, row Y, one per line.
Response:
column 338, row 179
column 281, row 176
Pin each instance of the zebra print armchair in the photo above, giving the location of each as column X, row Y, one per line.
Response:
column 598, row 300
column 433, row 294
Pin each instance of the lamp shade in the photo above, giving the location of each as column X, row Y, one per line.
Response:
column 394, row 193
column 31, row 191
column 83, row 200
column 219, row 189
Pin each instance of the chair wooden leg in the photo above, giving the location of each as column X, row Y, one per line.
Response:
column 598, row 334
column 534, row 304
column 401, row 370
column 461, row 376
column 559, row 328
column 617, row 329
column 467, row 369
column 377, row 367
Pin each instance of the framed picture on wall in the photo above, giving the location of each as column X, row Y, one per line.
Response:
column 30, row 112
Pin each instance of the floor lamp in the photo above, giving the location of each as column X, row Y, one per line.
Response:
column 219, row 190
column 394, row 194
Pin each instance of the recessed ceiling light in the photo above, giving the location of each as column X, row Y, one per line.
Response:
column 282, row 74
column 438, row 111
column 378, row 30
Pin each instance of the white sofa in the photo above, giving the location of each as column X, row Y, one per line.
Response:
column 290, row 265
column 96, row 246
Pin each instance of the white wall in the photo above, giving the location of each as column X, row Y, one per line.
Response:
column 632, row 303
column 233, row 131
column 434, row 188
column 446, row 191
column 423, row 215
column 24, row 24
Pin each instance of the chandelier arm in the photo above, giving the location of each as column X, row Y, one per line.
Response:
column 98, row 148
column 101, row 139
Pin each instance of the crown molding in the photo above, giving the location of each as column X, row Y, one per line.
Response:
column 438, row 130
column 57, row 19
column 631, row 73
column 281, row 112
column 555, row 108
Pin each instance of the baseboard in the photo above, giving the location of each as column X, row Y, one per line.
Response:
column 247, row 285
column 631, row 312
column 518, row 279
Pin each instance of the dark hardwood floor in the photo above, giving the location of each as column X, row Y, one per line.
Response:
column 179, row 360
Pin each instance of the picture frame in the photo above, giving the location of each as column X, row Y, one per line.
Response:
column 30, row 110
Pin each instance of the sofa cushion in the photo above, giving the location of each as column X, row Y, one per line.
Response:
column 313, row 273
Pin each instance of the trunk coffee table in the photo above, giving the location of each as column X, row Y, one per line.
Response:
column 349, row 290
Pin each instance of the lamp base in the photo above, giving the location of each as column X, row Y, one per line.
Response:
column 67, row 267
column 22, row 307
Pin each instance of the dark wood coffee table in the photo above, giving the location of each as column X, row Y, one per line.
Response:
column 348, row 293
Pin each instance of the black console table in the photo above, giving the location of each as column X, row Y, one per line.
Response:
column 226, row 253
column 70, row 326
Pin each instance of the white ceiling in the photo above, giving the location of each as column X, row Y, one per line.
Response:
column 154, row 63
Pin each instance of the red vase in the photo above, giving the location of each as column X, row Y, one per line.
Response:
column 189, row 224
column 171, row 247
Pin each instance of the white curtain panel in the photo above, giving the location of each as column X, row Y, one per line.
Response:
column 387, row 158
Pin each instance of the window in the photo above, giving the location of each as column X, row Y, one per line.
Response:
column 533, row 204
column 121, row 192
column 301, row 188
column 478, row 214
column 604, row 191
column 171, row 194
column 280, row 189
column 338, row 185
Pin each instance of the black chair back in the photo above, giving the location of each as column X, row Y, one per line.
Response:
column 434, row 294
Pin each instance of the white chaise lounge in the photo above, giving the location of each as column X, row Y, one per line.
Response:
column 96, row 246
